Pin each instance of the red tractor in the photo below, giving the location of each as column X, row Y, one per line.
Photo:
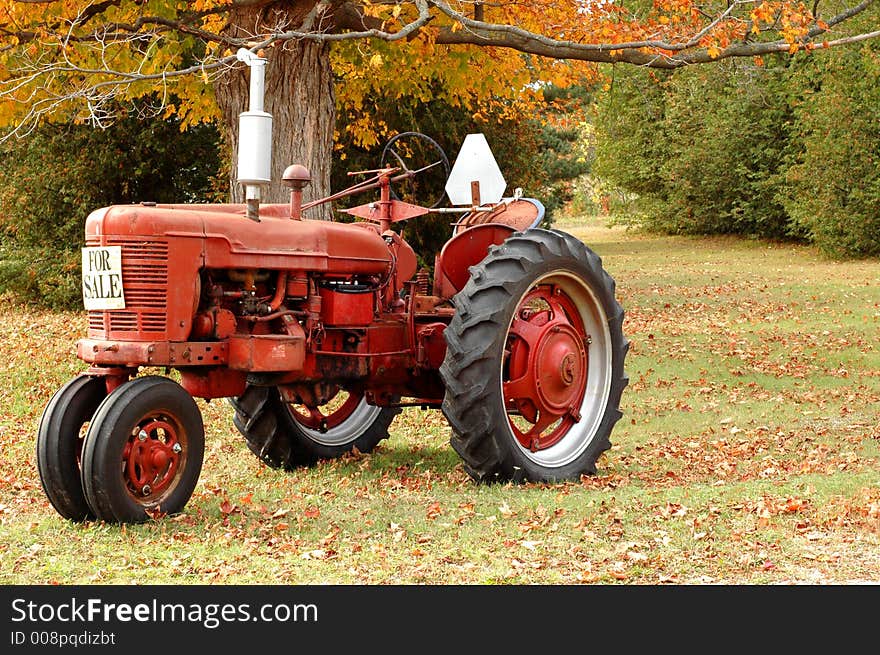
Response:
column 318, row 332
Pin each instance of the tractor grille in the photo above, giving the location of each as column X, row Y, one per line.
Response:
column 145, row 284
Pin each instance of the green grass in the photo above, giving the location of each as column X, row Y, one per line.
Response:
column 748, row 454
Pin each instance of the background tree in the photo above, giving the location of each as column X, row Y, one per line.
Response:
column 785, row 149
column 832, row 188
column 74, row 59
column 700, row 151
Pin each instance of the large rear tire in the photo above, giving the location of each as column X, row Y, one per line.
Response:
column 143, row 452
column 288, row 437
column 60, row 442
column 534, row 366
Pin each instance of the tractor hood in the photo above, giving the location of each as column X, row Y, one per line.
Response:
column 230, row 240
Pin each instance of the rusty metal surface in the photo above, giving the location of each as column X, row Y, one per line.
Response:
column 519, row 214
column 223, row 240
column 397, row 210
column 346, row 307
column 128, row 354
column 267, row 352
column 467, row 248
column 213, row 382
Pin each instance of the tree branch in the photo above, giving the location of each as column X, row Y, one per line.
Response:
column 632, row 52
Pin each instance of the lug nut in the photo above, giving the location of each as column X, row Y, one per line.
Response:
column 142, row 435
column 146, row 490
column 176, row 448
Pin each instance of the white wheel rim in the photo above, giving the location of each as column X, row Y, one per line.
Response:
column 358, row 422
column 598, row 383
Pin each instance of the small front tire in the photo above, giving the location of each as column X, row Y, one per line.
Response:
column 143, row 452
column 60, row 443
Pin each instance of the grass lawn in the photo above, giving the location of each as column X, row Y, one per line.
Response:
column 748, row 454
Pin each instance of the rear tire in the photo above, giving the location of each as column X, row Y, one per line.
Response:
column 283, row 438
column 534, row 362
column 60, row 442
column 143, row 451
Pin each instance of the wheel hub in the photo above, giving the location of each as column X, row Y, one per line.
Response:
column 547, row 367
column 559, row 368
column 151, row 457
column 566, row 369
column 314, row 418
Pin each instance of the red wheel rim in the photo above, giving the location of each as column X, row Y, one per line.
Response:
column 315, row 419
column 152, row 458
column 544, row 379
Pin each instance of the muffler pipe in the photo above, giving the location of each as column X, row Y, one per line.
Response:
column 254, row 136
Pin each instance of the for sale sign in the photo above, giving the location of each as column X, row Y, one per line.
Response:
column 102, row 278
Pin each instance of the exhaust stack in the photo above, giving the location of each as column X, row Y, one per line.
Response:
column 254, row 137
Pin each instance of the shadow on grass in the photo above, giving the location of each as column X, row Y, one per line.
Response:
column 390, row 459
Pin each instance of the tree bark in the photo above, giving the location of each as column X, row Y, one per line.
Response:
column 300, row 97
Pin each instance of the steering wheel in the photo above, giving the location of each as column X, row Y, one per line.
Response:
column 424, row 164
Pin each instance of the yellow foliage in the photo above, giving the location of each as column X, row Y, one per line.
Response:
column 473, row 77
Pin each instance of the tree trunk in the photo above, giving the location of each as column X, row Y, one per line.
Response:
column 300, row 97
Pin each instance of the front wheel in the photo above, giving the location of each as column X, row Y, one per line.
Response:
column 143, row 452
column 60, row 442
column 534, row 361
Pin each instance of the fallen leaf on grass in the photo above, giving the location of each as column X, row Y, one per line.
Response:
column 586, row 577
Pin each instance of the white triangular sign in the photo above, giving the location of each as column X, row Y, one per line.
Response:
column 475, row 163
